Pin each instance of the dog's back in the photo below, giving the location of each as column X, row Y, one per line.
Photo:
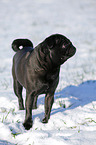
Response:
column 27, row 47
column 23, row 52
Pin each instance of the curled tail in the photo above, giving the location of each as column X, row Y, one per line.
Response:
column 21, row 42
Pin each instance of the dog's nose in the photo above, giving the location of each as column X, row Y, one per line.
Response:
column 72, row 51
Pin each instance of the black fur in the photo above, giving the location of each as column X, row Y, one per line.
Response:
column 21, row 42
column 37, row 70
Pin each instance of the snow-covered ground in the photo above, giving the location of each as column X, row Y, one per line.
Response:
column 73, row 116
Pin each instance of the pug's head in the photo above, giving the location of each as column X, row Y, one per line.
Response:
column 59, row 47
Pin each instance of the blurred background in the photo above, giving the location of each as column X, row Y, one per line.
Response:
column 73, row 118
column 36, row 20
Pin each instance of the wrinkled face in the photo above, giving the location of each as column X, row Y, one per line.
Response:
column 60, row 48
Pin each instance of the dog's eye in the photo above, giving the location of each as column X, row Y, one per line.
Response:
column 68, row 45
column 63, row 46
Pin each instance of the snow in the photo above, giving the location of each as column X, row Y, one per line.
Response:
column 73, row 116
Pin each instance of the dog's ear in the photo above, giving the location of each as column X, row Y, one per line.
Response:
column 44, row 48
column 49, row 42
column 52, row 41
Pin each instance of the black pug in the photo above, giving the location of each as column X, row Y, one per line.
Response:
column 37, row 70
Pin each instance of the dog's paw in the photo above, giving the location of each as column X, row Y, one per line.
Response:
column 34, row 107
column 28, row 124
column 21, row 108
column 45, row 120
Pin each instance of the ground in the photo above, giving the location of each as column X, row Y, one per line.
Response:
column 73, row 116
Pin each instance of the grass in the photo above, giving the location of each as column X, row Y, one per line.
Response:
column 63, row 104
column 15, row 134
column 88, row 120
column 6, row 116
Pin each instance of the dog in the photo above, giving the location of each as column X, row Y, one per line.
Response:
column 37, row 70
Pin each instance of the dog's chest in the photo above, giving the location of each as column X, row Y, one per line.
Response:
column 52, row 75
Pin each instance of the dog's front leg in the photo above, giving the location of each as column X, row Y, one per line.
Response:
column 35, row 102
column 49, row 99
column 29, row 105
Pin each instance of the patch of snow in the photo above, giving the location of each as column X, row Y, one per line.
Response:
column 73, row 116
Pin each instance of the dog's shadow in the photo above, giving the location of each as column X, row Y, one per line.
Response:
column 75, row 96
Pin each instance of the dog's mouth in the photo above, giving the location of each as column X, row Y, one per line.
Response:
column 62, row 54
column 63, row 59
column 70, row 51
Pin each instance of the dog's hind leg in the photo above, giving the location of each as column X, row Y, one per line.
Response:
column 18, row 91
